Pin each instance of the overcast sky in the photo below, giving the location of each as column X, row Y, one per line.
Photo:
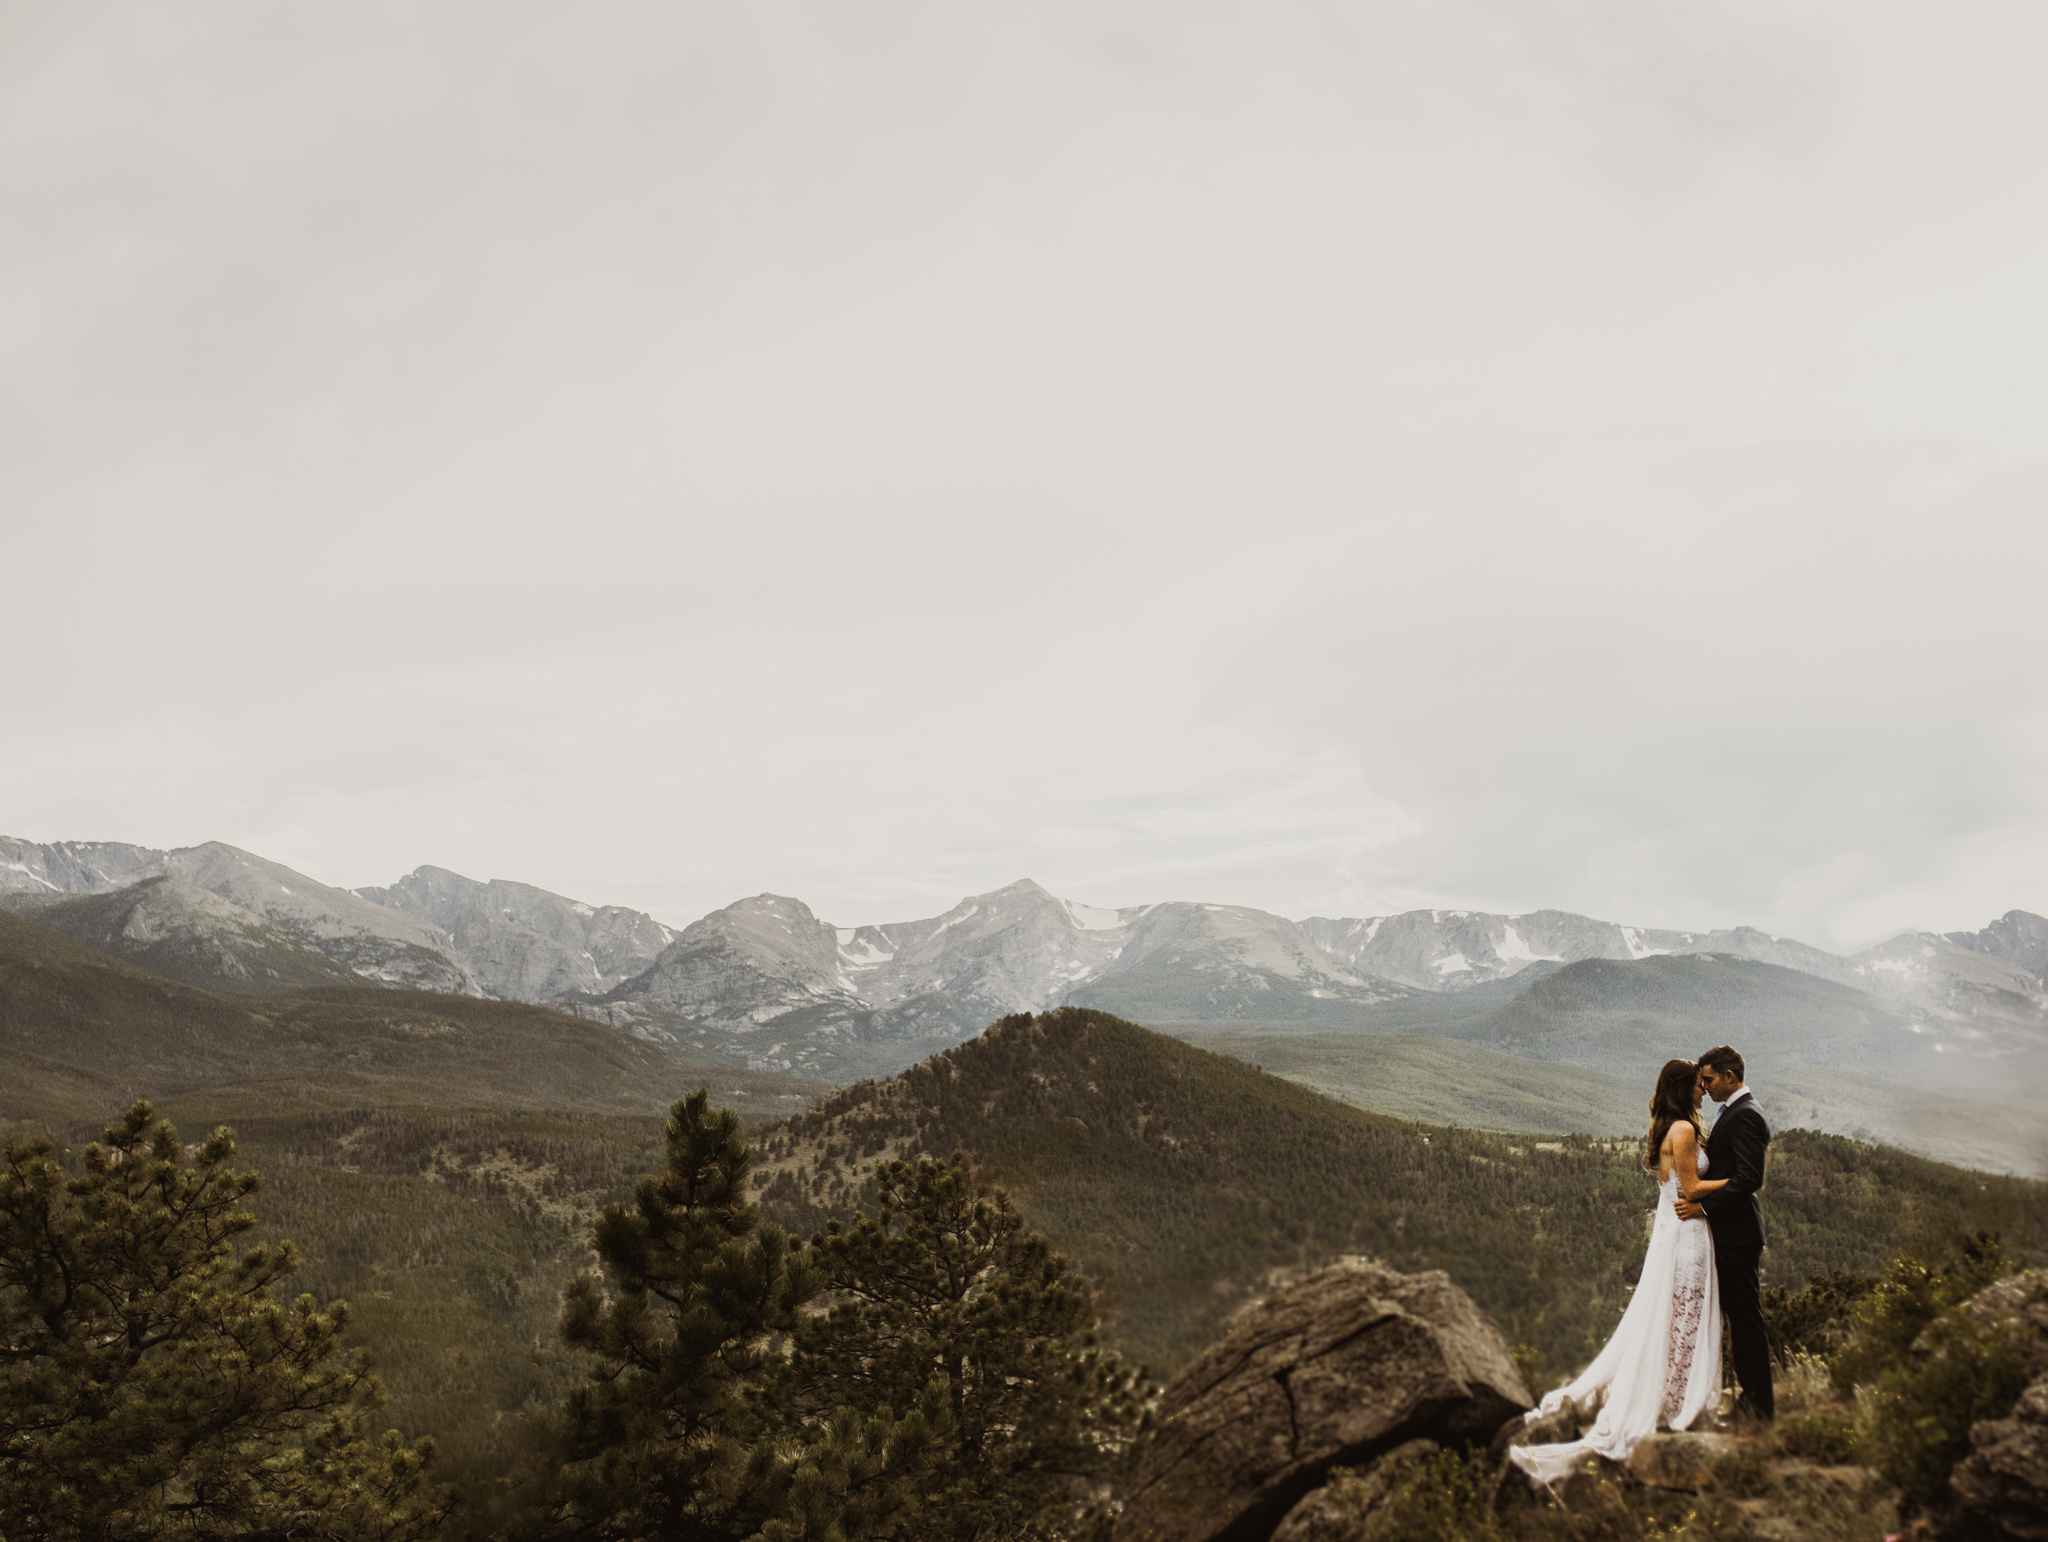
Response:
column 1326, row 455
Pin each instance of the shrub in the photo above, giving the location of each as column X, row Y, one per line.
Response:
column 1916, row 1420
column 1746, row 1473
column 1825, row 1435
column 1911, row 1295
column 1817, row 1320
column 1806, row 1383
column 1443, row 1497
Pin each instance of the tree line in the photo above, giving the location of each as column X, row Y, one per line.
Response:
column 930, row 1369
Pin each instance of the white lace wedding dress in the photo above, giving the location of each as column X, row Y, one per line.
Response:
column 1663, row 1365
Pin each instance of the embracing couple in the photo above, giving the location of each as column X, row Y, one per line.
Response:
column 1662, row 1368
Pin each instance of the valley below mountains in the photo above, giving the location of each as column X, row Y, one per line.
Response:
column 1545, row 1021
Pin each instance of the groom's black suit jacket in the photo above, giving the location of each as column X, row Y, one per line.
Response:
column 1735, row 1151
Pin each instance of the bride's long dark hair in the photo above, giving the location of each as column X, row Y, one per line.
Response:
column 1670, row 1104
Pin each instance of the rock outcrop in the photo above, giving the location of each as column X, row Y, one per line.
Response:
column 2019, row 1301
column 2003, row 1482
column 1338, row 1370
column 1682, row 1460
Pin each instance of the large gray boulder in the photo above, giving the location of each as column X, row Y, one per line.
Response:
column 2018, row 1303
column 2003, row 1482
column 1680, row 1459
column 1335, row 1371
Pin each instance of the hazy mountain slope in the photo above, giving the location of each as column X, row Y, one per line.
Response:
column 75, row 867
column 2018, row 936
column 1990, row 981
column 83, row 1034
column 1828, row 1055
column 754, row 960
column 1974, row 997
column 372, row 941
column 1436, row 1080
column 1014, row 949
column 1450, row 950
column 1980, row 1115
column 1180, row 1178
column 375, row 941
column 768, row 983
column 1628, row 1018
column 1224, row 962
column 1009, row 950
column 183, row 932
column 521, row 943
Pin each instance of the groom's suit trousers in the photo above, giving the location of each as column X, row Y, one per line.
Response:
column 1736, row 1151
column 1737, row 1269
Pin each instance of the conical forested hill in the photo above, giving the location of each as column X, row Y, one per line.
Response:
column 1181, row 1180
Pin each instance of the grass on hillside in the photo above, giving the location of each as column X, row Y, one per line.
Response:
column 1433, row 1080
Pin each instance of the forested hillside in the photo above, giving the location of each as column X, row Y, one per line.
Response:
column 1182, row 1179
column 438, row 1159
column 83, row 1034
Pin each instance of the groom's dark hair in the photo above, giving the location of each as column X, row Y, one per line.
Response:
column 1722, row 1058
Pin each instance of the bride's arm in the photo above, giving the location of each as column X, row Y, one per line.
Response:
column 1685, row 1161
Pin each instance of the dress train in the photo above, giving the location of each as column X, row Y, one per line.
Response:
column 1663, row 1365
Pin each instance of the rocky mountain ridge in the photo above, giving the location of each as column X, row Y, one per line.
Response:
column 526, row 944
column 767, row 983
column 372, row 942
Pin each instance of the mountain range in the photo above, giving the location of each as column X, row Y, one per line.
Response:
column 768, row 985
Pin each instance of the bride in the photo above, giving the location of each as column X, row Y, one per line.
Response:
column 1663, row 1365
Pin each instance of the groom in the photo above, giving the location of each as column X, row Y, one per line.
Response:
column 1735, row 1151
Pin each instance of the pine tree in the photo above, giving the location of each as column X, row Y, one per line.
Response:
column 949, row 1277
column 688, row 1428
column 151, row 1384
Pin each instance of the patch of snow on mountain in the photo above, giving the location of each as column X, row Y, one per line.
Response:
column 1455, row 964
column 582, row 909
column 868, row 956
column 954, row 921
column 1091, row 919
column 22, row 868
column 1633, row 941
column 1511, row 949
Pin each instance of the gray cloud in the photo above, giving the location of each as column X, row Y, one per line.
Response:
column 1327, row 456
